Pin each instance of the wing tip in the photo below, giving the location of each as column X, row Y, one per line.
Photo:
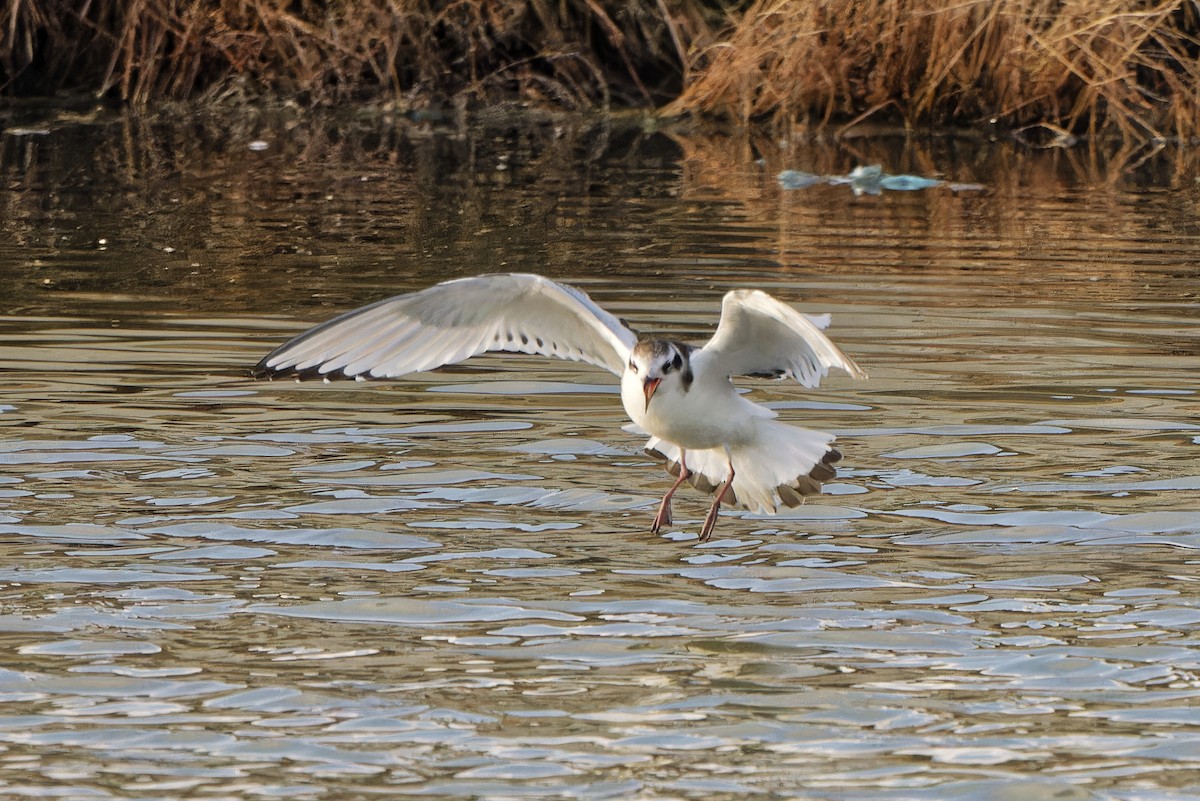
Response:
column 264, row 370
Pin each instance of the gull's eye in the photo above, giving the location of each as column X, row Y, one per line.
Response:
column 677, row 362
column 632, row 367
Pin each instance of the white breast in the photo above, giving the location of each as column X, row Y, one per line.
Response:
column 707, row 414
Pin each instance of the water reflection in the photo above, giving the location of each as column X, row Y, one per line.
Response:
column 445, row 588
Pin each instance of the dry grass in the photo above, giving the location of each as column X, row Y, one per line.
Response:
column 1074, row 67
column 577, row 53
column 1061, row 68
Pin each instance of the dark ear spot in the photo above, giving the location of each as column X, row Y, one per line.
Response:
column 677, row 362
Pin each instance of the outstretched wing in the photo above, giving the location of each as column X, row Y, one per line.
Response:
column 455, row 320
column 758, row 335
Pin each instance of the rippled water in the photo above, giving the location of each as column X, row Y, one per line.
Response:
column 216, row 588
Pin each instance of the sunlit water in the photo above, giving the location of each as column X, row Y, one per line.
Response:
column 219, row 588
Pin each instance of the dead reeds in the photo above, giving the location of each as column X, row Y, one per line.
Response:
column 1069, row 68
column 1053, row 70
column 577, row 53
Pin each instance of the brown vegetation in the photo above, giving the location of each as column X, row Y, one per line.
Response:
column 1064, row 68
column 1074, row 67
column 418, row 52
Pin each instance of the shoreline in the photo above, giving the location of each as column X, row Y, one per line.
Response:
column 1128, row 74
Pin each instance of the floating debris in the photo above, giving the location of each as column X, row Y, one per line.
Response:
column 869, row 180
column 792, row 179
column 907, row 183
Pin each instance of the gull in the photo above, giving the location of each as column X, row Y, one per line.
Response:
column 681, row 395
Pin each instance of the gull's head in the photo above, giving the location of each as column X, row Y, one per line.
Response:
column 654, row 361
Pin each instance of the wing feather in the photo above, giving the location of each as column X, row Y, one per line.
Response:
column 758, row 335
column 359, row 357
column 454, row 320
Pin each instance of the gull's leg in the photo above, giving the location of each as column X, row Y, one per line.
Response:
column 663, row 518
column 710, row 522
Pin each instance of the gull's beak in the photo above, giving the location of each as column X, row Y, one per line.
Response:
column 648, row 388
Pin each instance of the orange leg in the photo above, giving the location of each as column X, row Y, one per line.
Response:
column 663, row 518
column 710, row 522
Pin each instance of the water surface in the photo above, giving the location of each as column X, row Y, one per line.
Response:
column 445, row 587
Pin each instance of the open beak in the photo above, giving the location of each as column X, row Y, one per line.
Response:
column 648, row 388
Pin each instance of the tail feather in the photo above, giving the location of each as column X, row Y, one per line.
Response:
column 781, row 467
